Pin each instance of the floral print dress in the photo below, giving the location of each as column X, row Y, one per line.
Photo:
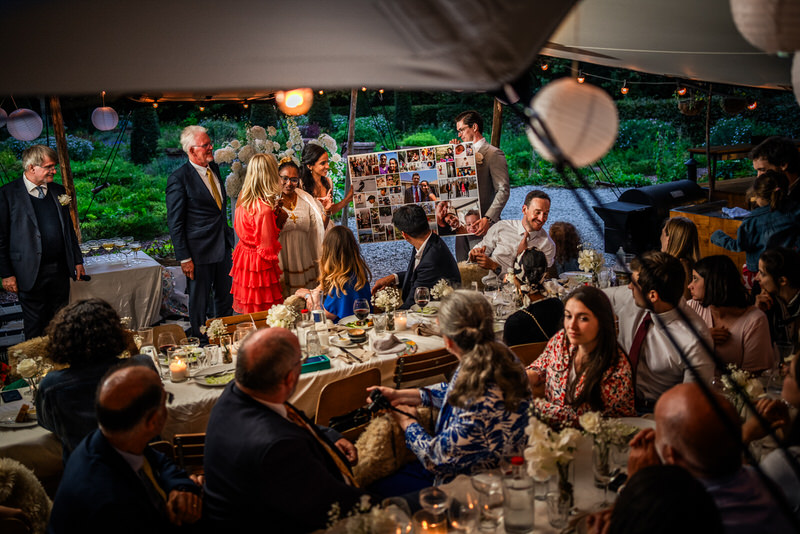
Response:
column 554, row 367
column 467, row 439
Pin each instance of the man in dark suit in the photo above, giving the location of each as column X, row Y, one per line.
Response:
column 492, row 171
column 198, row 224
column 413, row 193
column 431, row 261
column 265, row 463
column 39, row 250
column 113, row 481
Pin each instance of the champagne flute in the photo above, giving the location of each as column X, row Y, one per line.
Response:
column 422, row 296
column 126, row 251
column 108, row 246
column 119, row 244
column 361, row 310
column 85, row 248
column 135, row 247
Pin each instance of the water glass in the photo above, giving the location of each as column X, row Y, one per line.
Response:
column 435, row 501
column 379, row 322
column 313, row 345
column 428, row 523
column 541, row 486
column 213, row 356
column 518, row 500
column 473, row 286
column 558, row 510
column 489, row 485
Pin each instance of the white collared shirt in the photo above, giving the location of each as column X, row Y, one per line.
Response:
column 476, row 145
column 202, row 172
column 31, row 187
column 278, row 408
column 136, row 461
column 420, row 250
column 503, row 238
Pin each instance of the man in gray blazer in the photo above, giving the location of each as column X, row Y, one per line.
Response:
column 39, row 250
column 492, row 170
column 198, row 225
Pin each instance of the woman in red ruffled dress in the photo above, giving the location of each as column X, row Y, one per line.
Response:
column 256, row 275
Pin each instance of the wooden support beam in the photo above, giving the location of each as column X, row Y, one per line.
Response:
column 497, row 123
column 351, row 132
column 63, row 161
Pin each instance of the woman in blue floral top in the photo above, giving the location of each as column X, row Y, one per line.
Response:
column 483, row 409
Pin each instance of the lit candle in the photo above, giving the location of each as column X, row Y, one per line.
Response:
column 400, row 320
column 178, row 370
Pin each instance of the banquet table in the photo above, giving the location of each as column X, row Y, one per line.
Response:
column 134, row 291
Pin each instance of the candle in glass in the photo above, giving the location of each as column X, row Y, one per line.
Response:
column 400, row 320
column 178, row 371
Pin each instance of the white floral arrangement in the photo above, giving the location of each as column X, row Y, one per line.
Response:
column 64, row 200
column 748, row 383
column 441, row 289
column 605, row 430
column 215, row 330
column 367, row 519
column 28, row 368
column 260, row 140
column 388, row 298
column 553, row 288
column 281, row 316
column 589, row 259
column 549, row 452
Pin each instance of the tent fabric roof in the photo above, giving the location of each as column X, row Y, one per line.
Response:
column 241, row 47
column 681, row 38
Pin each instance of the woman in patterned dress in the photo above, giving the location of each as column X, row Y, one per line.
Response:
column 484, row 406
column 583, row 368
column 256, row 275
column 302, row 233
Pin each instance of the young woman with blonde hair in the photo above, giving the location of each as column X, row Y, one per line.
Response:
column 343, row 274
column 256, row 275
column 679, row 239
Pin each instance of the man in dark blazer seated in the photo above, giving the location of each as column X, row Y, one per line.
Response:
column 431, row 262
column 265, row 463
column 39, row 250
column 198, row 225
column 114, row 482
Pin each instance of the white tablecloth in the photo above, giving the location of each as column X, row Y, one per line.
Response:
column 134, row 291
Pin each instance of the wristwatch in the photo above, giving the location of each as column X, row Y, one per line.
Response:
column 498, row 270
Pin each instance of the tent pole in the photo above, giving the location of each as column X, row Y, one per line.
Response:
column 351, row 132
column 497, row 123
column 712, row 167
column 63, row 161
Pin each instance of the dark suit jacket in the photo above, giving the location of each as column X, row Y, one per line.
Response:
column 20, row 241
column 101, row 493
column 409, row 194
column 199, row 229
column 263, row 469
column 437, row 262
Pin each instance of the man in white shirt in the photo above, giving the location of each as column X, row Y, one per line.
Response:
column 508, row 239
column 647, row 310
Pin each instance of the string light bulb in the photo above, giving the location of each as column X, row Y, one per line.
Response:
column 681, row 90
column 624, row 90
column 245, row 105
column 545, row 65
column 321, row 92
column 752, row 105
column 202, row 108
column 380, row 91
column 581, row 78
column 155, row 104
column 295, row 101
column 364, row 89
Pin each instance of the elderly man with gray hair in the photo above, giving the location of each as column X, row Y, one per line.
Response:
column 198, row 224
column 265, row 463
column 39, row 249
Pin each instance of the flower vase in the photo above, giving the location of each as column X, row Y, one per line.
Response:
column 32, row 383
column 595, row 279
column 566, row 491
column 561, row 501
column 602, row 468
column 390, row 320
column 225, row 344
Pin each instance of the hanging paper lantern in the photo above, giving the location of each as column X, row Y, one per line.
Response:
column 296, row 101
column 581, row 118
column 3, row 117
column 105, row 118
column 770, row 25
column 796, row 75
column 24, row 124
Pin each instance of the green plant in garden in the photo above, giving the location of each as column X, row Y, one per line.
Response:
column 145, row 134
column 419, row 139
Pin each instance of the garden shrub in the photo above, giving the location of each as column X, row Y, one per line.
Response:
column 262, row 114
column 419, row 139
column 320, row 112
column 403, row 111
column 145, row 134
column 79, row 149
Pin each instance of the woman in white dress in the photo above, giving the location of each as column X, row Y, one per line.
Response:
column 302, row 233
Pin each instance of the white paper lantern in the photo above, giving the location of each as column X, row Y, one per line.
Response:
column 771, row 25
column 796, row 75
column 24, row 124
column 581, row 118
column 3, row 117
column 105, row 118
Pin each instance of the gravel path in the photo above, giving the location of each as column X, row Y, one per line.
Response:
column 392, row 256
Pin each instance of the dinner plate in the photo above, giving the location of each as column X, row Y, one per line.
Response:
column 350, row 322
column 10, row 423
column 639, row 422
column 410, row 348
column 429, row 311
column 343, row 342
column 200, row 376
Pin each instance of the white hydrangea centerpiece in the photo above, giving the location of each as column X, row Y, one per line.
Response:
column 441, row 289
column 281, row 316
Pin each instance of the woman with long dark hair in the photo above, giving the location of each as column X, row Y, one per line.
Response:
column 779, row 276
column 740, row 331
column 583, row 368
column 314, row 168
column 484, row 406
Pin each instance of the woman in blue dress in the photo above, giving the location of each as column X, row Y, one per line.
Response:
column 483, row 409
column 343, row 274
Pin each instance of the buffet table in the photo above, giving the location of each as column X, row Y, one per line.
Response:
column 134, row 291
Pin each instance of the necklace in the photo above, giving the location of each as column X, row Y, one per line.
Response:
column 290, row 209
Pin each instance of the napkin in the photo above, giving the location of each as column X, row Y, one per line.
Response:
column 387, row 344
column 425, row 329
column 362, row 354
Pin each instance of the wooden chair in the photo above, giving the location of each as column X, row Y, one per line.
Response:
column 164, row 447
column 190, row 451
column 415, row 367
column 175, row 329
column 259, row 318
column 528, row 352
column 345, row 395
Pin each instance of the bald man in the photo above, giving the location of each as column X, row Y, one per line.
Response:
column 113, row 481
column 690, row 434
column 264, row 462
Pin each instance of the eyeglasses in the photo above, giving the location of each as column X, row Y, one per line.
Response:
column 292, row 180
column 461, row 130
column 49, row 168
column 204, row 145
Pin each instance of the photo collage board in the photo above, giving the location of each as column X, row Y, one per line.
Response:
column 440, row 178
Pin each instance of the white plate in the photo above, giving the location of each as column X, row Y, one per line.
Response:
column 639, row 422
column 431, row 309
column 342, row 342
column 352, row 319
column 5, row 423
column 215, row 369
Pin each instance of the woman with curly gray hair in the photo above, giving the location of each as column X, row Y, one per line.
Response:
column 87, row 337
column 482, row 409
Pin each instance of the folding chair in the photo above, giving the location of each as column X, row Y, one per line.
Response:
column 528, row 352
column 190, row 451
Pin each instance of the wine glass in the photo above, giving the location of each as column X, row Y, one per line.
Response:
column 166, row 341
column 422, row 296
column 601, row 466
column 144, row 338
column 85, row 248
column 108, row 246
column 135, row 247
column 361, row 310
column 126, row 251
column 434, row 500
column 127, row 239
